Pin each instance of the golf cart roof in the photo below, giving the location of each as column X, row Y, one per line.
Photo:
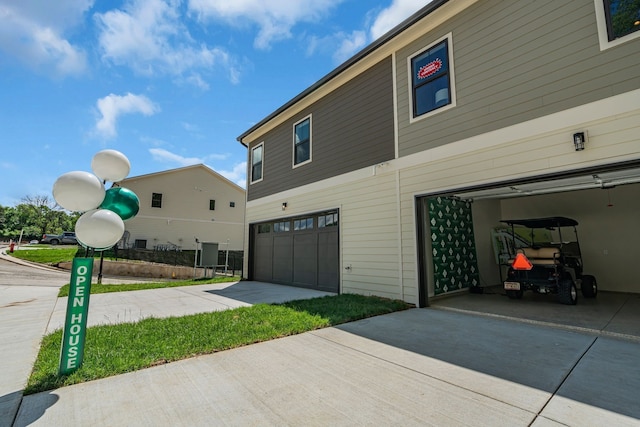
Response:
column 554, row 221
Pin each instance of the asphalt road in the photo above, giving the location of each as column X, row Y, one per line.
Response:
column 12, row 274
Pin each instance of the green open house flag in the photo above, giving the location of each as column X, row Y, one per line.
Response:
column 75, row 325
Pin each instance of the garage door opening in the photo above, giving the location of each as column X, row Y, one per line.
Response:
column 605, row 202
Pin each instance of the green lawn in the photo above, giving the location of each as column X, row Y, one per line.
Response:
column 47, row 255
column 116, row 349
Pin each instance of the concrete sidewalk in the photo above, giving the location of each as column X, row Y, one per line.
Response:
column 397, row 369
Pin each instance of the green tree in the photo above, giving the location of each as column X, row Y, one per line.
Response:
column 35, row 216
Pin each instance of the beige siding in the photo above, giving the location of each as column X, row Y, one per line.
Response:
column 515, row 61
column 185, row 213
column 611, row 140
column 368, row 228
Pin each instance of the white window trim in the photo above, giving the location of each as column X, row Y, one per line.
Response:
column 293, row 152
column 452, row 80
column 251, row 181
column 603, row 34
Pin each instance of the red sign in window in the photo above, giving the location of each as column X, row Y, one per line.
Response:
column 430, row 69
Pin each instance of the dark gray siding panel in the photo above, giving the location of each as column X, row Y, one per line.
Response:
column 351, row 128
column 516, row 61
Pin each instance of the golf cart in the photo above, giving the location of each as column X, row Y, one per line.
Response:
column 551, row 264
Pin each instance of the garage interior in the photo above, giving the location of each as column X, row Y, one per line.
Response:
column 606, row 204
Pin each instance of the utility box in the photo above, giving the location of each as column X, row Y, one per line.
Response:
column 209, row 254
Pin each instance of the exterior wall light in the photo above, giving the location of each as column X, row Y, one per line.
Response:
column 284, row 206
column 578, row 140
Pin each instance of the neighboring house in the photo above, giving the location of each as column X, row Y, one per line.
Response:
column 387, row 176
column 179, row 205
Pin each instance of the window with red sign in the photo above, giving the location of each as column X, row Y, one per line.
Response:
column 430, row 79
column 623, row 17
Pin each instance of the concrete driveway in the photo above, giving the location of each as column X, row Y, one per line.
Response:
column 418, row 367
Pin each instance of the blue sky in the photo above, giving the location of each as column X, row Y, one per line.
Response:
column 169, row 83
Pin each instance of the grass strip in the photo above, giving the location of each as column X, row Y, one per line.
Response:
column 120, row 348
column 47, row 256
column 124, row 287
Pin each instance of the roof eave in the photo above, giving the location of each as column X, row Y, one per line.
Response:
column 381, row 41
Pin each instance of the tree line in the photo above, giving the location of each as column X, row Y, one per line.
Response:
column 35, row 216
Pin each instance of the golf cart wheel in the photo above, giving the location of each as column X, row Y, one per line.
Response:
column 515, row 294
column 567, row 292
column 589, row 287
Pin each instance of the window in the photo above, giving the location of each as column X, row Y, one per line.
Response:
column 212, row 205
column 618, row 21
column 329, row 220
column 302, row 142
column 140, row 244
column 264, row 228
column 156, row 200
column 623, row 17
column 256, row 163
column 281, row 227
column 431, row 78
column 303, row 224
column 232, row 204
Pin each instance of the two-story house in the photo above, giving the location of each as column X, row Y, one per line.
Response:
column 178, row 206
column 387, row 176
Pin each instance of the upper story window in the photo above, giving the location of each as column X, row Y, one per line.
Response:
column 618, row 21
column 212, row 205
column 431, row 78
column 156, row 200
column 232, row 204
column 623, row 17
column 302, row 142
column 257, row 154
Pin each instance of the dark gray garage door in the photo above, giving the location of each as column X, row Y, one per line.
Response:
column 302, row 251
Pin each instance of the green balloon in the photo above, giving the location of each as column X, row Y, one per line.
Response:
column 122, row 201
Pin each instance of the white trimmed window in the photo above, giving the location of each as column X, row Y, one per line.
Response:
column 431, row 79
column 257, row 155
column 302, row 142
column 618, row 21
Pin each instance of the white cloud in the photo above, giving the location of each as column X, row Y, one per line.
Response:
column 149, row 37
column 275, row 18
column 33, row 32
column 341, row 46
column 238, row 174
column 112, row 106
column 165, row 156
column 394, row 15
column 350, row 44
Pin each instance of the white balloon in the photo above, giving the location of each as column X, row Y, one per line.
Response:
column 99, row 229
column 110, row 165
column 78, row 191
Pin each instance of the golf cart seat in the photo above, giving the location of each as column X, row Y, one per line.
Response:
column 542, row 256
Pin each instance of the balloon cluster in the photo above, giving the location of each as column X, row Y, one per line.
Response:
column 102, row 223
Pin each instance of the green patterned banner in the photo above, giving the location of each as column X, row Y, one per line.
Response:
column 453, row 245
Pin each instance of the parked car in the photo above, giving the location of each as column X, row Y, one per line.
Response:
column 552, row 263
column 66, row 238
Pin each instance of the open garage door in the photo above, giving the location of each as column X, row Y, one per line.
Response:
column 301, row 251
column 605, row 202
